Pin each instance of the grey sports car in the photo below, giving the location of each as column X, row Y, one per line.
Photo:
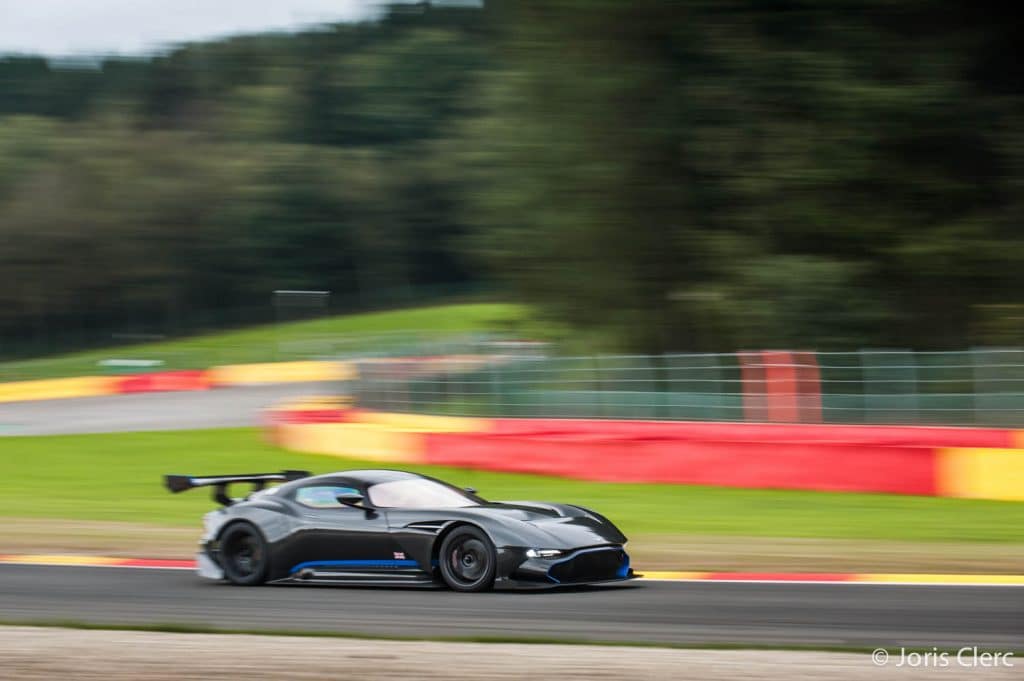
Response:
column 385, row 527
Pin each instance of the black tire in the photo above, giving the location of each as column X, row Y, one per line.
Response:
column 468, row 560
column 243, row 555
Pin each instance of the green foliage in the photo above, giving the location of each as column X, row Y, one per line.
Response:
column 651, row 175
column 688, row 175
column 118, row 477
column 181, row 190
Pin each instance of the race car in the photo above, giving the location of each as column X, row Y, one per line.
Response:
column 387, row 527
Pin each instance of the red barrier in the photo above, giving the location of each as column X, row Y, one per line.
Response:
column 911, row 436
column 164, row 381
column 839, row 458
column 310, row 415
column 781, row 385
column 173, row 563
column 755, row 381
column 808, row 385
column 810, row 466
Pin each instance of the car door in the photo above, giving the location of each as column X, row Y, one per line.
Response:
column 333, row 535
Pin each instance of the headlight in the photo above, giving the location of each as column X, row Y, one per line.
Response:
column 543, row 553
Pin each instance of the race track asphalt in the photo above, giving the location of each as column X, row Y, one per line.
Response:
column 218, row 408
column 657, row 612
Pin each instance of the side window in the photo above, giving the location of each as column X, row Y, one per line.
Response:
column 321, row 497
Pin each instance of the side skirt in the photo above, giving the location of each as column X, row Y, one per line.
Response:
column 413, row 578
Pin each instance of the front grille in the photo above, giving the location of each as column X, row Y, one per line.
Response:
column 590, row 566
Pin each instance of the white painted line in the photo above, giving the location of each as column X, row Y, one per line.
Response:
column 819, row 581
column 97, row 565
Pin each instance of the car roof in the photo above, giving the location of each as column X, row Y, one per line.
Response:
column 368, row 477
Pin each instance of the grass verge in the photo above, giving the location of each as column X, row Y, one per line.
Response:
column 117, row 477
column 275, row 342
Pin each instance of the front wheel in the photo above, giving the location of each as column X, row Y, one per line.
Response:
column 243, row 555
column 468, row 560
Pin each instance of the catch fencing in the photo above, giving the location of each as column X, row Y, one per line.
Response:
column 971, row 387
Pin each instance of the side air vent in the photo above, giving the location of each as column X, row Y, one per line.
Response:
column 431, row 526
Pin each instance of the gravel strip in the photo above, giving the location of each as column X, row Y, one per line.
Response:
column 48, row 653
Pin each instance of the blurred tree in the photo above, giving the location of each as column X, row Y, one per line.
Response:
column 654, row 175
column 178, row 191
column 636, row 156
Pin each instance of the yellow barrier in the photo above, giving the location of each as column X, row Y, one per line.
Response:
column 57, row 388
column 316, row 403
column 973, row 473
column 281, row 372
column 62, row 559
column 914, row 578
column 351, row 440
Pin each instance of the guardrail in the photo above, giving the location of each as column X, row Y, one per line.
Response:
column 970, row 387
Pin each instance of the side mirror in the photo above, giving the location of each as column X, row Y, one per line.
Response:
column 471, row 490
column 350, row 498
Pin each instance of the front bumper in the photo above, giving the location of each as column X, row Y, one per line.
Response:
column 207, row 567
column 590, row 565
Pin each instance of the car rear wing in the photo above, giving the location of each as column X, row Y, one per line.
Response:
column 181, row 483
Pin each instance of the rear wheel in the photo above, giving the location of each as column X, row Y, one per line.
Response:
column 468, row 560
column 243, row 555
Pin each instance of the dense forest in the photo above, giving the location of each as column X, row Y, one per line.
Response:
column 654, row 175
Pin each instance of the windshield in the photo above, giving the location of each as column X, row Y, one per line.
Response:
column 417, row 493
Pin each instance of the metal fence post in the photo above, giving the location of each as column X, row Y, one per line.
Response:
column 890, row 381
column 998, row 386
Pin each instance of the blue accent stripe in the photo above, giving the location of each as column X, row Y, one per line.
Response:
column 381, row 563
